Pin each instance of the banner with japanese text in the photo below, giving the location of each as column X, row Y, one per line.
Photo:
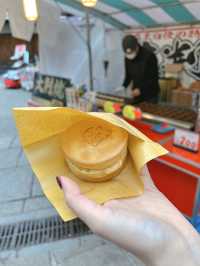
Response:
column 174, row 45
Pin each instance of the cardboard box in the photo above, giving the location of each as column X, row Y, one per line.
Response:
column 195, row 86
column 174, row 68
column 182, row 97
column 166, row 87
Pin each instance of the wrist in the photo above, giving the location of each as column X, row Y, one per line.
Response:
column 178, row 250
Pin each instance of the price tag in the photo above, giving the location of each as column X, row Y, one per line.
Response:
column 186, row 139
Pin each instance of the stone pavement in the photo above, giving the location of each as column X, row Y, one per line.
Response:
column 21, row 198
column 20, row 195
column 83, row 251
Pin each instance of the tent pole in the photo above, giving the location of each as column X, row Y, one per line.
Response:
column 89, row 47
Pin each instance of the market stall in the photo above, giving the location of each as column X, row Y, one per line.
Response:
column 174, row 120
column 177, row 173
column 169, row 30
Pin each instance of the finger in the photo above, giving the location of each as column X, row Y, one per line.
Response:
column 90, row 212
column 146, row 177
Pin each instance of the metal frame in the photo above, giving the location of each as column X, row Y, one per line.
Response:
column 89, row 47
column 107, row 17
column 161, row 5
column 179, row 168
column 96, row 13
column 196, row 206
column 23, row 234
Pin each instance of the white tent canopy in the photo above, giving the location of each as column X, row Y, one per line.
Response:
column 63, row 51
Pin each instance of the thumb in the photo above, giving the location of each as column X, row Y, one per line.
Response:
column 87, row 210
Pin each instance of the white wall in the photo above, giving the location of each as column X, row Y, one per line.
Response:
column 116, row 58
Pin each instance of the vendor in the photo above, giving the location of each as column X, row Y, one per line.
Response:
column 141, row 71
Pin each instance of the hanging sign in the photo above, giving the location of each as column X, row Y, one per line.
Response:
column 174, row 45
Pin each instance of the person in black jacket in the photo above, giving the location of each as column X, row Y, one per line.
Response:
column 141, row 71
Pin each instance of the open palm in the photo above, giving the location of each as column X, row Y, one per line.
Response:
column 147, row 226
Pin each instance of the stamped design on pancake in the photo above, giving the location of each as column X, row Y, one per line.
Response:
column 95, row 135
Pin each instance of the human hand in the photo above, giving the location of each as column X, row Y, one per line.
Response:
column 149, row 226
column 136, row 92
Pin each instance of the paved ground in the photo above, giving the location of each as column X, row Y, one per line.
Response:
column 20, row 194
column 21, row 198
column 84, row 251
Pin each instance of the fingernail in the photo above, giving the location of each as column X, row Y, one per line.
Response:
column 59, row 182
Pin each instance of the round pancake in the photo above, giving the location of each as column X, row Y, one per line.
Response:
column 94, row 144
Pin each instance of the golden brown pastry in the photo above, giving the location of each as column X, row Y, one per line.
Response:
column 95, row 150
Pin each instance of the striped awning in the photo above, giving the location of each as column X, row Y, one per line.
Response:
column 142, row 13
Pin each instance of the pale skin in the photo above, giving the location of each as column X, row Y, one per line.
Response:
column 136, row 92
column 148, row 226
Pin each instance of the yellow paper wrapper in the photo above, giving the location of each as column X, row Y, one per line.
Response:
column 40, row 131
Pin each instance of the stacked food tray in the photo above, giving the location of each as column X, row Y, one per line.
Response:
column 173, row 115
column 113, row 96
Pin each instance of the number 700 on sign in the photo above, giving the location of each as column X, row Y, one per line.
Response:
column 186, row 139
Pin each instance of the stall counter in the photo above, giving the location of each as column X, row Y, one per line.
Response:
column 176, row 174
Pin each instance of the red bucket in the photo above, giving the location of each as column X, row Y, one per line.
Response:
column 12, row 84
